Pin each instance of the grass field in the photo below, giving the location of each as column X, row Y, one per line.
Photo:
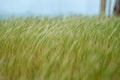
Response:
column 72, row 48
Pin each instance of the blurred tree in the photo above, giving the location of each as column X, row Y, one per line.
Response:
column 117, row 8
column 103, row 7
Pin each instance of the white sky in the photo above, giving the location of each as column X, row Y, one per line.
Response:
column 50, row 7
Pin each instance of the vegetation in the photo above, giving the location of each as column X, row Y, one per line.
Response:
column 71, row 48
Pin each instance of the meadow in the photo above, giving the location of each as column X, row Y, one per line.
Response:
column 71, row 48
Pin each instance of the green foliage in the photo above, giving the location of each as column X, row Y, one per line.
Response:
column 71, row 48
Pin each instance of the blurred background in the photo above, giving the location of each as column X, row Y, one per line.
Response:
column 54, row 7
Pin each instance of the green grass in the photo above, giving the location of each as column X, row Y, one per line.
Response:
column 73, row 48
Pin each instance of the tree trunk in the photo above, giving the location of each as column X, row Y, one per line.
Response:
column 117, row 8
column 103, row 7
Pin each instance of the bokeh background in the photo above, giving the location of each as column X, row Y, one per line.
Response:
column 52, row 7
